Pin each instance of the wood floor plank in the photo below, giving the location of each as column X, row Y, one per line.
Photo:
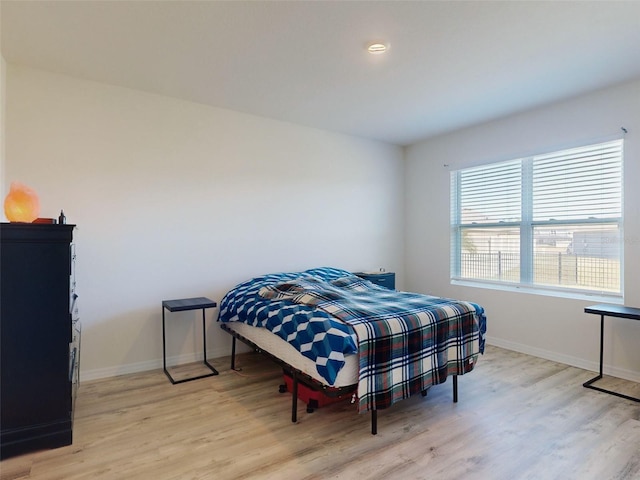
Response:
column 616, row 457
column 518, row 417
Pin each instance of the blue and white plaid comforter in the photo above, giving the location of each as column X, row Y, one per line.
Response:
column 406, row 342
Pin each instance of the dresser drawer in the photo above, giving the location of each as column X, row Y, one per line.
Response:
column 384, row 279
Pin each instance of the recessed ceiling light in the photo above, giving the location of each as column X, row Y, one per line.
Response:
column 377, row 48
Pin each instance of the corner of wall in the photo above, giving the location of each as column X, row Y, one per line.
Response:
column 3, row 103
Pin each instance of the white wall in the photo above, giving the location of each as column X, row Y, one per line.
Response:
column 174, row 199
column 3, row 103
column 554, row 328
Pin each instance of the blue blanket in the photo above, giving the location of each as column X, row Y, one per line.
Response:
column 314, row 333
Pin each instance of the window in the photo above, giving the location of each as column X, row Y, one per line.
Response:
column 547, row 221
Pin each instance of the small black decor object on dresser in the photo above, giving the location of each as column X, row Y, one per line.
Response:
column 39, row 349
column 384, row 279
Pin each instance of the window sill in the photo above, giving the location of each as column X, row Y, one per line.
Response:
column 616, row 299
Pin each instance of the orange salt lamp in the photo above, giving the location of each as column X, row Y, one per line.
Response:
column 22, row 204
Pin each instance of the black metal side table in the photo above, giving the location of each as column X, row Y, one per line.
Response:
column 610, row 311
column 179, row 306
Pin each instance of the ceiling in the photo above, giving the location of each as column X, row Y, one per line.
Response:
column 450, row 64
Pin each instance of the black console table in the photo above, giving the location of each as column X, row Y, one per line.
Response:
column 179, row 306
column 610, row 311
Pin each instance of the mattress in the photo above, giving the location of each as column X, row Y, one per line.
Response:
column 276, row 346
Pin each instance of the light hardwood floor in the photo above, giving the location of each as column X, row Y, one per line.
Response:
column 518, row 417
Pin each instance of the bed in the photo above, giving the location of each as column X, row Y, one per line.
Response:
column 341, row 334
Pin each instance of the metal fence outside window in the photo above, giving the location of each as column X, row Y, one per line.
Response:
column 559, row 269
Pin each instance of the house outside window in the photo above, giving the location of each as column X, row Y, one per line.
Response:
column 550, row 222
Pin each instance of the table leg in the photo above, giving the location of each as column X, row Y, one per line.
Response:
column 589, row 383
column 204, row 346
column 601, row 342
column 164, row 351
column 204, row 337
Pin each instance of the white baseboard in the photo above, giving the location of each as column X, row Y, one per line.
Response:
column 566, row 359
column 98, row 373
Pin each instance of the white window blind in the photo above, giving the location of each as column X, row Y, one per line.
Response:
column 551, row 220
column 491, row 194
column 577, row 184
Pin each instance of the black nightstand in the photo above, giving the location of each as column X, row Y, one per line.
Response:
column 179, row 306
column 384, row 279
